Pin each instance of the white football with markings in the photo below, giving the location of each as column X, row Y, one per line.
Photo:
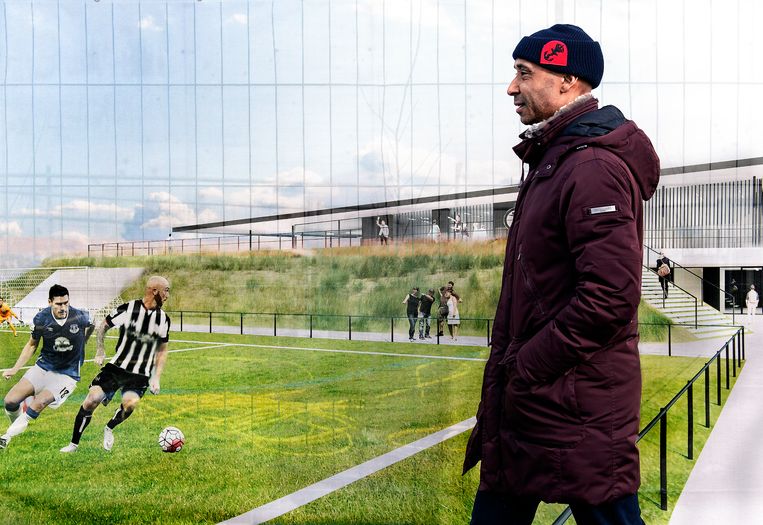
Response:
column 171, row 439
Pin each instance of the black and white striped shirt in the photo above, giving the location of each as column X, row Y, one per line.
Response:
column 141, row 331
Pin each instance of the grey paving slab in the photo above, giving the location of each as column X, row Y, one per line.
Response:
column 726, row 484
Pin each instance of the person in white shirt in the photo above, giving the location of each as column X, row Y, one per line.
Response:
column 752, row 301
column 435, row 231
column 383, row 231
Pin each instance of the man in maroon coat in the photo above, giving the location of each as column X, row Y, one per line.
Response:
column 559, row 414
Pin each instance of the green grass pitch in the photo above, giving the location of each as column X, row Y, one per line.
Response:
column 262, row 421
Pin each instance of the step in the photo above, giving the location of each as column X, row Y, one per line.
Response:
column 713, row 335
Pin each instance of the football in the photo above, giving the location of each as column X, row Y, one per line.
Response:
column 171, row 439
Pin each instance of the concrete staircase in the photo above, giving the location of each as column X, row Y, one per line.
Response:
column 679, row 308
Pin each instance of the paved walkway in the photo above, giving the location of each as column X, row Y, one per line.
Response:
column 401, row 336
column 726, row 484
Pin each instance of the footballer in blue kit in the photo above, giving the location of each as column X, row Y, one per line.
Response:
column 64, row 331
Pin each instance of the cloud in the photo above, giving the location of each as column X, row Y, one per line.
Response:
column 239, row 18
column 167, row 211
column 294, row 182
column 147, row 23
column 10, row 229
column 74, row 241
column 81, row 209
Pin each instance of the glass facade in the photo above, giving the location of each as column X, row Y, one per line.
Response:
column 120, row 120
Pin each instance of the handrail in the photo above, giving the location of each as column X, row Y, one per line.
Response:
column 738, row 354
column 696, row 300
column 703, row 280
column 433, row 320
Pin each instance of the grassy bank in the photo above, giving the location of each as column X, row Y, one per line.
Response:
column 362, row 281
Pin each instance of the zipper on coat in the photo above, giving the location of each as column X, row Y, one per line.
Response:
column 529, row 283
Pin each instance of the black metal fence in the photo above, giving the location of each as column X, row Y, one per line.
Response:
column 332, row 326
column 472, row 330
column 737, row 344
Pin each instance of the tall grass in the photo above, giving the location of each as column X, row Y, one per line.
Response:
column 652, row 323
column 357, row 281
column 367, row 280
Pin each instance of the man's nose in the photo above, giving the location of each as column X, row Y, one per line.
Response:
column 512, row 89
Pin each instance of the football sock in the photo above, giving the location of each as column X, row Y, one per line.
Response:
column 120, row 415
column 12, row 411
column 19, row 426
column 81, row 421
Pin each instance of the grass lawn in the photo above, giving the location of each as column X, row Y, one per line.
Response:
column 262, row 422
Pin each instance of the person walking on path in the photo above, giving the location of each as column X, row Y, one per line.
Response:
column 454, row 318
column 425, row 311
column 560, row 405
column 752, row 301
column 662, row 267
column 442, row 311
column 412, row 301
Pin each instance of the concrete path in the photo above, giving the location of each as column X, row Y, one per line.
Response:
column 400, row 336
column 726, row 484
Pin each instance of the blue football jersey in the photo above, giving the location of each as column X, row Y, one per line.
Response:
column 63, row 346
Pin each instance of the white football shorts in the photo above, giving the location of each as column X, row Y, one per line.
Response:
column 60, row 385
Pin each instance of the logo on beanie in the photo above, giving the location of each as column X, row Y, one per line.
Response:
column 554, row 53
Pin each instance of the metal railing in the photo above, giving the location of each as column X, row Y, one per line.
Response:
column 674, row 285
column 738, row 354
column 702, row 282
column 221, row 244
column 387, row 329
column 476, row 330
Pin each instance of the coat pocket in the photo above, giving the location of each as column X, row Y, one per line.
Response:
column 529, row 284
column 545, row 414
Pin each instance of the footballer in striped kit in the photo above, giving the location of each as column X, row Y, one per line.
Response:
column 138, row 362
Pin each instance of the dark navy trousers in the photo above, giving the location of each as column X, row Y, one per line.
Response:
column 499, row 509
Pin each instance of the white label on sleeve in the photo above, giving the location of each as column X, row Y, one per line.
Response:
column 602, row 209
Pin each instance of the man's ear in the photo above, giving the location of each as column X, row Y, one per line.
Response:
column 568, row 82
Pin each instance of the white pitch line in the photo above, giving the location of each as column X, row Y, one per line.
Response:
column 312, row 492
column 218, row 345
column 337, row 351
column 304, row 349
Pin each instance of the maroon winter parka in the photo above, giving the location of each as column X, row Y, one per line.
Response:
column 559, row 413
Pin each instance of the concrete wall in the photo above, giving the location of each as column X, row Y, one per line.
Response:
column 689, row 282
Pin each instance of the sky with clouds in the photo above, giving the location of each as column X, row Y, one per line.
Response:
column 120, row 119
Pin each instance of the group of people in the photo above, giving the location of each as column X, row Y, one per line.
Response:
column 664, row 272
column 458, row 227
column 419, row 310
column 137, row 364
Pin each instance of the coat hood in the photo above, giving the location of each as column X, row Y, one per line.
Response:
column 608, row 128
column 581, row 124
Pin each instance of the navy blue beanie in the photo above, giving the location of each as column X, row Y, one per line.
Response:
column 564, row 48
